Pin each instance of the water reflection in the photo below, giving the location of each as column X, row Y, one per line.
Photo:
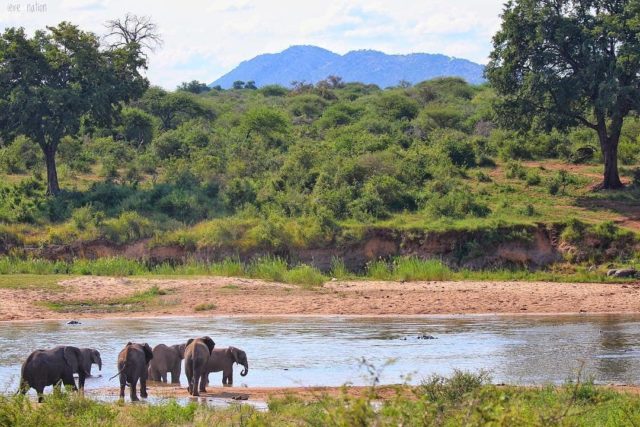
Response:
column 296, row 351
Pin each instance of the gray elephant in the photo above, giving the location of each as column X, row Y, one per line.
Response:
column 196, row 357
column 133, row 363
column 222, row 359
column 90, row 356
column 166, row 359
column 50, row 367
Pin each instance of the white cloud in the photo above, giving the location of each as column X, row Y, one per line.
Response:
column 204, row 39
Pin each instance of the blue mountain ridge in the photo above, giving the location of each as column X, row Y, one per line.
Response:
column 312, row 63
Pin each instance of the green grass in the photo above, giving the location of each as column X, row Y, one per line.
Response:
column 462, row 399
column 138, row 301
column 45, row 274
column 31, row 281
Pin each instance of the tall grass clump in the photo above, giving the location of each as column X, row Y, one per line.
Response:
column 304, row 275
column 412, row 268
column 378, row 270
column 268, row 268
column 112, row 266
column 339, row 269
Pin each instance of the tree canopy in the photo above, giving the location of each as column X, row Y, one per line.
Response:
column 50, row 81
column 563, row 63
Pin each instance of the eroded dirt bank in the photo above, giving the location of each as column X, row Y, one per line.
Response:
column 99, row 297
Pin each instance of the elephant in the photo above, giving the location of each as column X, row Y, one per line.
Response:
column 166, row 359
column 50, row 367
column 196, row 356
column 91, row 356
column 222, row 359
column 133, row 363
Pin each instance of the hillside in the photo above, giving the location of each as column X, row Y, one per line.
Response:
column 332, row 175
column 312, row 64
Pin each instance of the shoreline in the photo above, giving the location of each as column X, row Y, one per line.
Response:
column 342, row 316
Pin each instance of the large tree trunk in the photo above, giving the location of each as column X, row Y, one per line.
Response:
column 53, row 187
column 609, row 146
column 611, row 179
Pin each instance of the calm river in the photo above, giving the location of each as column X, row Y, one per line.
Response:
column 327, row 350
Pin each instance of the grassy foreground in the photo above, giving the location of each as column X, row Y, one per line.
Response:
column 19, row 273
column 464, row 399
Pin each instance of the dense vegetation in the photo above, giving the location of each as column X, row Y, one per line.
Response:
column 463, row 399
column 300, row 166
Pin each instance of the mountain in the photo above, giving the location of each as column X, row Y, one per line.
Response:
column 311, row 64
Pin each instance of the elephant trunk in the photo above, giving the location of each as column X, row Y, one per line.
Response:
column 245, row 371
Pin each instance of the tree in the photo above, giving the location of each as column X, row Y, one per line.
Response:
column 133, row 29
column 563, row 63
column 137, row 126
column 173, row 108
column 194, row 86
column 238, row 84
column 50, row 81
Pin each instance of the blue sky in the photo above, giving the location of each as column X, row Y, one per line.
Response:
column 205, row 39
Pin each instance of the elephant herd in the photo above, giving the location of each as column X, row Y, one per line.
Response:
column 136, row 363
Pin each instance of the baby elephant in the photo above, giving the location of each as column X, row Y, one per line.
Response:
column 50, row 367
column 222, row 359
column 133, row 363
column 166, row 359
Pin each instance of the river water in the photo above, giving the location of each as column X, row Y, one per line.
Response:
column 328, row 350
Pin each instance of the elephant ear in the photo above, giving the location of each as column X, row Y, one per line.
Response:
column 234, row 353
column 73, row 358
column 148, row 353
column 189, row 341
column 209, row 342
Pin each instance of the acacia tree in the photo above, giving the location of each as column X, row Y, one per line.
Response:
column 564, row 63
column 50, row 81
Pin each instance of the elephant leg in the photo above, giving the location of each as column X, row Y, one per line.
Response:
column 189, row 373
column 39, row 392
column 203, row 382
column 123, row 384
column 143, row 388
column 230, row 378
column 68, row 380
column 163, row 377
column 175, row 376
column 132, row 389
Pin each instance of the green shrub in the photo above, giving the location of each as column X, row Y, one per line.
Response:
column 515, row 170
column 533, row 177
column 128, row 227
column 456, row 204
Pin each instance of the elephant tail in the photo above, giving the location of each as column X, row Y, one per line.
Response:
column 124, row 366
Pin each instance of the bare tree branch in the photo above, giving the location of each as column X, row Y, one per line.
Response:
column 133, row 29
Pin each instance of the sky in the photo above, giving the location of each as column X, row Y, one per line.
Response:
column 205, row 39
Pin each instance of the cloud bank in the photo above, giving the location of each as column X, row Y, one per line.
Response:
column 205, row 39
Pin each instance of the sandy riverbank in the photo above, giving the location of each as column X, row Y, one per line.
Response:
column 239, row 296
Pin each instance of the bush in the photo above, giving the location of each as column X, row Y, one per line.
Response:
column 533, row 178
column 515, row 170
column 20, row 156
column 128, row 227
column 456, row 204
column 453, row 389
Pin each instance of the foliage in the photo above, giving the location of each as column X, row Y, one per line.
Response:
column 569, row 64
